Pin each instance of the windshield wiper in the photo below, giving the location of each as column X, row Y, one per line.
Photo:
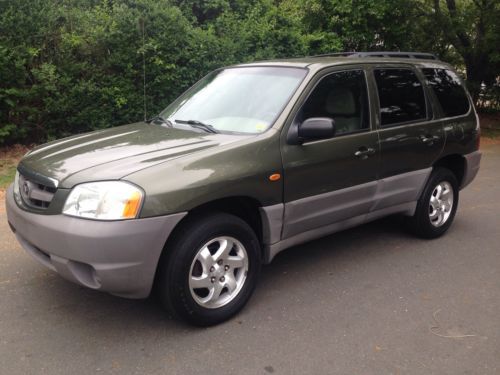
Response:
column 164, row 121
column 198, row 124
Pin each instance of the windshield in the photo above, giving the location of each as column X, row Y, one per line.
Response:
column 243, row 100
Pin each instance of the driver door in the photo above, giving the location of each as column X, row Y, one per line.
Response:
column 331, row 180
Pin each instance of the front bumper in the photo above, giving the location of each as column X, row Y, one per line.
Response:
column 119, row 257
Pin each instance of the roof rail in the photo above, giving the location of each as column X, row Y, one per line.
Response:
column 408, row 55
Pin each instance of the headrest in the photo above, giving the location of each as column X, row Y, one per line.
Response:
column 340, row 101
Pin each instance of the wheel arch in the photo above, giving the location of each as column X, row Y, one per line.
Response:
column 246, row 208
column 455, row 163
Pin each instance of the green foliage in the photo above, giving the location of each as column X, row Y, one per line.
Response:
column 359, row 25
column 73, row 66
column 7, row 176
column 470, row 29
column 69, row 66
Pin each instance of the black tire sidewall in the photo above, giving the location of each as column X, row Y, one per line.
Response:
column 174, row 288
column 421, row 222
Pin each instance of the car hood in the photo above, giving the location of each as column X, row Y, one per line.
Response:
column 116, row 152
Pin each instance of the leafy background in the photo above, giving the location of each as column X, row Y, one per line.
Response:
column 69, row 66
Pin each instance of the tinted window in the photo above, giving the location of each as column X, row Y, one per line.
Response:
column 401, row 96
column 450, row 93
column 343, row 97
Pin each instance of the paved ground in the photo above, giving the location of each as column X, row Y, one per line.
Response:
column 372, row 300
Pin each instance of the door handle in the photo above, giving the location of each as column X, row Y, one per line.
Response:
column 364, row 152
column 430, row 139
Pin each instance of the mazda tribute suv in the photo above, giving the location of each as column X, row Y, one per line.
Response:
column 251, row 160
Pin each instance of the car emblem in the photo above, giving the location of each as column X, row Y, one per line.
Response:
column 26, row 189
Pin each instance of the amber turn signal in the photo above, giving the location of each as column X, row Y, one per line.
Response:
column 274, row 177
column 132, row 206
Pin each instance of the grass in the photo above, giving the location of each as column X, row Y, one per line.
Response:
column 6, row 176
column 490, row 133
column 490, row 128
column 9, row 158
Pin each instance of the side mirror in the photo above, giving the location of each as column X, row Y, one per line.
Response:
column 316, row 128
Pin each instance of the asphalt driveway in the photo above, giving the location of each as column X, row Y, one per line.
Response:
column 371, row 300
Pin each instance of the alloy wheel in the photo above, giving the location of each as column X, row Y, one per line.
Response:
column 218, row 272
column 441, row 203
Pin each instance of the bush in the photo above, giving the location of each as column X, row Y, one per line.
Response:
column 70, row 66
column 74, row 66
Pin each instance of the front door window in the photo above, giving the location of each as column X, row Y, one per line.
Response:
column 343, row 97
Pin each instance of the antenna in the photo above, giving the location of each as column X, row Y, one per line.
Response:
column 141, row 25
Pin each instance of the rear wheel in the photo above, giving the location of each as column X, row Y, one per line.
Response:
column 437, row 205
column 211, row 269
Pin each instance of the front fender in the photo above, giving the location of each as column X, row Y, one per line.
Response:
column 240, row 169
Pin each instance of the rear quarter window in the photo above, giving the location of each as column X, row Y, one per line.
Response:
column 449, row 91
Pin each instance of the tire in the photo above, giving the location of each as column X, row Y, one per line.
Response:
column 187, row 264
column 427, row 222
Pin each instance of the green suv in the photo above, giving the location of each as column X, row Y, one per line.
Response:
column 251, row 160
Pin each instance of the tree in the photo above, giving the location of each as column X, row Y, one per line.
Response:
column 70, row 66
column 472, row 28
column 357, row 25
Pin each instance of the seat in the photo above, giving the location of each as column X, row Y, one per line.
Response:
column 341, row 106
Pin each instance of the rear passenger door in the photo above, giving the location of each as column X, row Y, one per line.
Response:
column 411, row 139
column 455, row 107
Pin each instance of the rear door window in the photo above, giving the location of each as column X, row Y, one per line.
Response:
column 449, row 91
column 401, row 96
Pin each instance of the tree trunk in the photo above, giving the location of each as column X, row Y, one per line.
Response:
column 474, row 77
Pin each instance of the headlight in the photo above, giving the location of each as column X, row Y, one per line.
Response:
column 16, row 188
column 106, row 200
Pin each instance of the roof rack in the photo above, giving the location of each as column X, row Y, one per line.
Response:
column 402, row 55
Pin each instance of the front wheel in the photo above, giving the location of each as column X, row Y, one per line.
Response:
column 211, row 269
column 437, row 205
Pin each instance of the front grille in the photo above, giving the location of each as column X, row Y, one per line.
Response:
column 35, row 194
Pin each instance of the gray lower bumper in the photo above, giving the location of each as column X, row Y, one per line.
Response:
column 472, row 162
column 119, row 257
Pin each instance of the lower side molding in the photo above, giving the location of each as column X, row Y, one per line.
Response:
column 270, row 251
